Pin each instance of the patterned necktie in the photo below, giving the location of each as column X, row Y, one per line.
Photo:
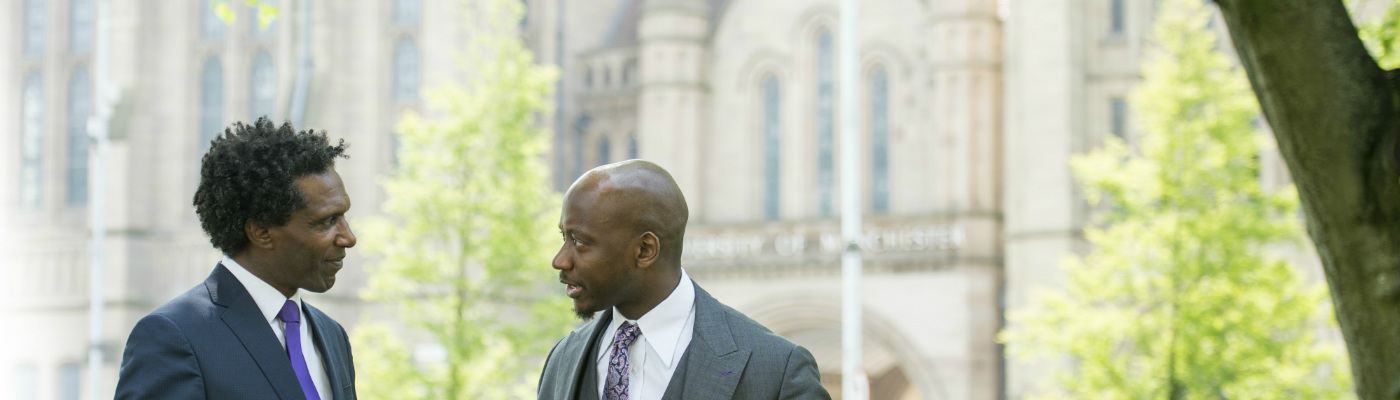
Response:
column 292, row 331
column 616, row 386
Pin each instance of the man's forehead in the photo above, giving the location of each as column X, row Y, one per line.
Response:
column 590, row 181
column 584, row 192
column 590, row 208
column 326, row 190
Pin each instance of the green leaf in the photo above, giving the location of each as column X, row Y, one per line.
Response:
column 223, row 11
column 266, row 14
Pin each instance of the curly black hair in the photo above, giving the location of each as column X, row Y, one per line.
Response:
column 250, row 173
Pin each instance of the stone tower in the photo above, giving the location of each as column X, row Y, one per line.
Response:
column 673, row 94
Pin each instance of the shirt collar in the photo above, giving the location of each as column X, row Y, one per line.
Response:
column 268, row 298
column 662, row 326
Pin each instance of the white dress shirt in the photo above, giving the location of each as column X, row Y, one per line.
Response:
column 653, row 358
column 269, row 301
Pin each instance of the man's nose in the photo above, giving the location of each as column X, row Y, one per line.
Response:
column 346, row 238
column 561, row 261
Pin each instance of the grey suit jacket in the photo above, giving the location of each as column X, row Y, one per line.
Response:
column 212, row 343
column 730, row 357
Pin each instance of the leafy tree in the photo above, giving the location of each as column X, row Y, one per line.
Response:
column 1178, row 298
column 1333, row 109
column 468, row 239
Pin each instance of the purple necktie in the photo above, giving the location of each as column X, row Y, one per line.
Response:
column 292, row 327
column 616, row 386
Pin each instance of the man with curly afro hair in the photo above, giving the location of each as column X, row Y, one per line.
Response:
column 269, row 198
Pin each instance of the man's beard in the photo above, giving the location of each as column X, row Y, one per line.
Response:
column 585, row 316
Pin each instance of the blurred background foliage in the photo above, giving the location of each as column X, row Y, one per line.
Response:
column 465, row 241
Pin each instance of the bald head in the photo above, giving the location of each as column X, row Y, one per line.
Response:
column 636, row 195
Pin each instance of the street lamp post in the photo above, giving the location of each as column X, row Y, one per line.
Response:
column 97, row 130
column 853, row 382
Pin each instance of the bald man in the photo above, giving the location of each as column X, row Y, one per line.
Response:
column 659, row 335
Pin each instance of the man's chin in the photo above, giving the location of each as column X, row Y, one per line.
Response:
column 325, row 284
column 584, row 314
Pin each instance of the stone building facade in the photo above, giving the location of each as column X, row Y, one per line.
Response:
column 970, row 112
column 182, row 75
column 737, row 100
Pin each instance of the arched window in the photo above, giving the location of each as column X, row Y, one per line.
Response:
column 604, row 151
column 607, row 76
column 588, row 77
column 406, row 12
column 580, row 133
column 80, row 19
column 262, row 87
column 879, row 142
column 395, row 146
column 211, row 102
column 211, row 28
column 35, row 12
column 406, row 71
column 1118, row 117
column 578, row 151
column 1115, row 17
column 632, row 146
column 32, row 144
column 772, row 141
column 826, row 149
column 628, row 70
column 79, row 107
column 69, row 381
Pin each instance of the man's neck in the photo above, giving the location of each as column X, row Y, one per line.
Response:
column 255, row 266
column 653, row 298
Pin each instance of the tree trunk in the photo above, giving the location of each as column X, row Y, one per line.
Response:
column 1334, row 116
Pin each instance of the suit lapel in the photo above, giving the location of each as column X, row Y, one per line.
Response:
column 581, row 387
column 712, row 363
column 241, row 315
column 588, row 385
column 332, row 357
column 676, row 386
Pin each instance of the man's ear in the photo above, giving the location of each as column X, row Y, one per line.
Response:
column 648, row 249
column 258, row 235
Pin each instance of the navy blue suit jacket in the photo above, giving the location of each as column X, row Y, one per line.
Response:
column 212, row 343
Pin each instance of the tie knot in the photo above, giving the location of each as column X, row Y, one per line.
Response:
column 289, row 312
column 626, row 334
